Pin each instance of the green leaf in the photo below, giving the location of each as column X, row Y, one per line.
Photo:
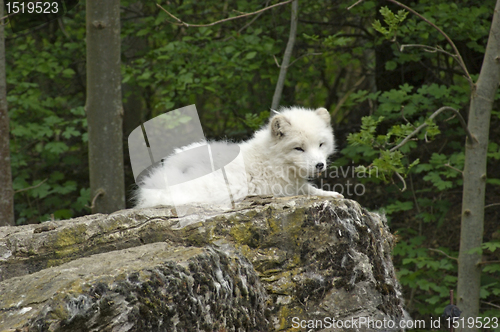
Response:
column 56, row 147
column 491, row 246
column 63, row 214
column 70, row 131
column 399, row 206
column 68, row 72
column 250, row 55
column 390, row 65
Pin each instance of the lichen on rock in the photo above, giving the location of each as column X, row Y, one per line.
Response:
column 154, row 287
column 254, row 268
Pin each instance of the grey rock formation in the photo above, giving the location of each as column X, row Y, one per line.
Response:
column 271, row 264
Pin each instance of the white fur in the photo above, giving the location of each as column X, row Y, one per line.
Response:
column 273, row 165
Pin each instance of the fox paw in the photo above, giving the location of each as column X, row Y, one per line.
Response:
column 336, row 194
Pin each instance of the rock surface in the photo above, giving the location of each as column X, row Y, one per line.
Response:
column 270, row 264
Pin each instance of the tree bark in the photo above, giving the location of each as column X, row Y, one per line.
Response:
column 286, row 57
column 104, row 106
column 472, row 225
column 6, row 190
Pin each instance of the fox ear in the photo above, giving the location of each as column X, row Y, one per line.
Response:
column 323, row 114
column 279, row 125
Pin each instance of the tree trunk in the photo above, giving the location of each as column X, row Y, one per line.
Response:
column 104, row 106
column 286, row 57
column 6, row 191
column 482, row 96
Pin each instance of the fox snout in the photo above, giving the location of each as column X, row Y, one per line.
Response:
column 320, row 166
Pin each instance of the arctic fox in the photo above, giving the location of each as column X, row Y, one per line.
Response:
column 278, row 160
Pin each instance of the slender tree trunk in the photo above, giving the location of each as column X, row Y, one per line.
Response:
column 104, row 106
column 469, row 272
column 6, row 191
column 286, row 57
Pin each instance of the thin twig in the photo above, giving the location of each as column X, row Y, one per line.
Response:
column 488, row 262
column 490, row 205
column 427, row 48
column 402, row 180
column 442, row 252
column 98, row 193
column 452, row 44
column 253, row 19
column 300, row 57
column 276, row 61
column 29, row 188
column 453, row 168
column 457, row 55
column 346, row 96
column 433, row 115
column 304, row 55
column 182, row 23
column 491, row 304
column 357, row 3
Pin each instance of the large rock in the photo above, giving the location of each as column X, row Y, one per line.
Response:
column 318, row 259
column 148, row 288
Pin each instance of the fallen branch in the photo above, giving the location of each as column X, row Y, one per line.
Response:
column 182, row 23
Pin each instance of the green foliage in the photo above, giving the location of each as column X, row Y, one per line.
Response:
column 48, row 126
column 433, row 274
column 392, row 20
column 429, row 165
column 255, row 121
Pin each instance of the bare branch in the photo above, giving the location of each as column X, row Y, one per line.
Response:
column 302, row 56
column 354, row 5
column 453, row 168
column 457, row 56
column 99, row 192
column 346, row 96
column 286, row 56
column 428, row 48
column 491, row 304
column 488, row 262
column 402, row 180
column 490, row 205
column 32, row 187
column 433, row 115
column 442, row 252
column 276, row 61
column 182, row 23
column 253, row 19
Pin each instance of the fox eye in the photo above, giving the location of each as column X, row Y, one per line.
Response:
column 299, row 149
column 321, row 144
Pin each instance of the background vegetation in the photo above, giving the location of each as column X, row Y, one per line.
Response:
column 376, row 93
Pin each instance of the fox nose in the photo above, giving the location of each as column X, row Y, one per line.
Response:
column 320, row 166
